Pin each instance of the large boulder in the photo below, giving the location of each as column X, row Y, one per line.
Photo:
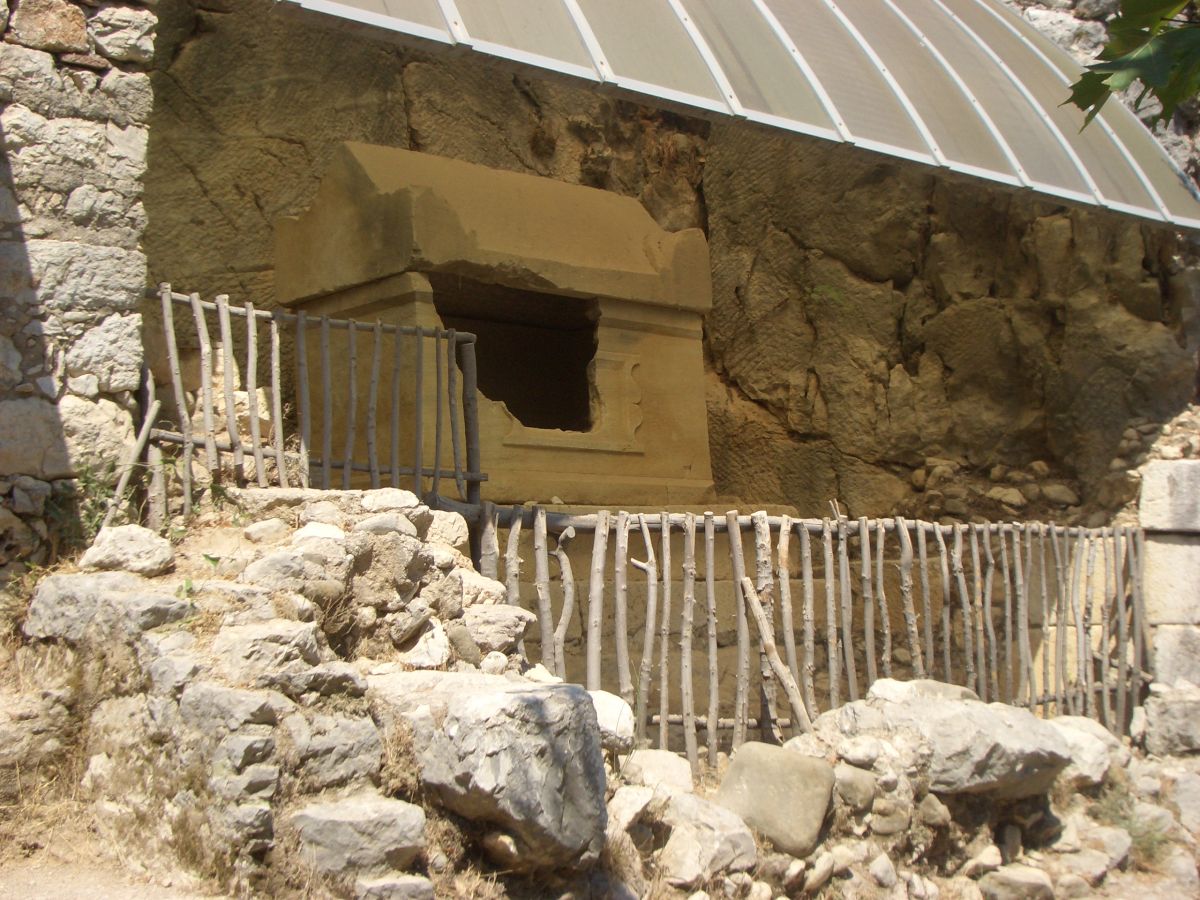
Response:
column 782, row 794
column 968, row 746
column 525, row 757
column 1093, row 750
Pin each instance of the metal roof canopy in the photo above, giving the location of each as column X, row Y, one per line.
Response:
column 962, row 84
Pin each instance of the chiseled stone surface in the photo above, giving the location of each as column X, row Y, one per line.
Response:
column 522, row 756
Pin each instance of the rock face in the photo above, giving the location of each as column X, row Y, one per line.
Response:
column 1173, row 720
column 782, row 794
column 524, row 757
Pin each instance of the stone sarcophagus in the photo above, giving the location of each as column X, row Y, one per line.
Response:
column 588, row 318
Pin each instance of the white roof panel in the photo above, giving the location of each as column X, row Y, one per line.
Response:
column 963, row 84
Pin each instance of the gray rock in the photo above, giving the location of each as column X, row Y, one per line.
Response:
column 335, row 750
column 1017, row 883
column 431, row 651
column 249, row 745
column 112, row 351
column 782, row 794
column 1090, row 865
column 1059, row 494
column 105, row 605
column 972, row 747
column 131, row 548
column 462, row 588
column 448, row 528
column 1183, row 791
column 855, row 786
column 888, row 817
column 245, row 651
column 615, row 719
column 883, row 871
column 1092, row 748
column 268, row 531
column 361, row 834
column 398, row 887
column 933, row 812
column 1069, row 886
column 327, row 679
column 525, row 757
column 463, row 643
column 1173, row 720
column 705, row 840
column 1114, row 842
column 208, row 706
column 658, row 769
column 627, row 805
column 124, row 34
column 498, row 627
column 386, row 523
column 493, row 663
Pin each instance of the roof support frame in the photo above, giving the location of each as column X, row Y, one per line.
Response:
column 710, row 60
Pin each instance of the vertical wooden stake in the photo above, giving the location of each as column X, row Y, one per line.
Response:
column 926, row 603
column 885, row 619
column 1008, row 646
column 906, row 596
column 784, row 574
column 964, row 596
column 326, row 407
column 1122, row 631
column 489, row 557
column 568, row 608
column 1024, row 688
column 799, row 713
column 1080, row 551
column 185, row 422
column 868, row 600
column 351, row 406
column 206, row 380
column 767, row 717
column 620, row 607
column 947, row 638
column 228, row 368
column 1105, row 631
column 650, row 567
column 541, row 568
column 439, row 401
column 277, row 401
column 453, row 398
column 664, row 627
column 260, row 469
column 742, row 691
column 988, row 625
column 810, row 645
column 394, row 449
column 710, row 601
column 1060, row 628
column 685, row 642
column 977, row 614
column 1047, row 686
column 832, row 655
column 847, row 609
column 305, row 411
column 1085, row 642
column 372, row 402
column 419, row 414
column 596, row 600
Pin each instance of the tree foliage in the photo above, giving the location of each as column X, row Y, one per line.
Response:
column 1152, row 42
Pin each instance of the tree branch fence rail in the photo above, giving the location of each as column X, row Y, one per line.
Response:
column 1033, row 614
column 236, row 451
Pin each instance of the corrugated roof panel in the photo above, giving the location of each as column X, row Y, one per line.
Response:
column 861, row 94
column 960, row 133
column 1112, row 176
column 966, row 84
column 534, row 31
column 760, row 68
column 646, row 44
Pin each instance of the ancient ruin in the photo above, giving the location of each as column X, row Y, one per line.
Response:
column 740, row 450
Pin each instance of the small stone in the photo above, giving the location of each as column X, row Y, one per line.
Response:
column 918, row 479
column 497, row 627
column 318, row 531
column 464, row 645
column 1070, row 886
column 131, row 548
column 1059, row 494
column 322, row 511
column 449, row 528
column 1010, row 843
column 1006, row 495
column 705, row 839
column 615, row 719
column 855, row 787
column 987, row 860
column 658, row 768
column 124, row 34
column 1090, row 865
column 1038, row 469
column 394, row 887
column 933, row 812
column 860, row 750
column 627, row 804
column 386, row 523
column 494, row 663
column 1017, row 883
column 821, row 872
column 268, row 531
column 432, row 650
column 883, row 871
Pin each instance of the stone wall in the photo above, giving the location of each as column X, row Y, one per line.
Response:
column 76, row 102
column 880, row 333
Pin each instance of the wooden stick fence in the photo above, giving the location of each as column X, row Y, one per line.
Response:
column 285, row 456
column 1079, row 647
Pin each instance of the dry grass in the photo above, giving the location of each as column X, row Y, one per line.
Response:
column 1115, row 806
column 46, row 805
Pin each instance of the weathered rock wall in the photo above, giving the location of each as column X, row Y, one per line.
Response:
column 76, row 103
column 872, row 321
